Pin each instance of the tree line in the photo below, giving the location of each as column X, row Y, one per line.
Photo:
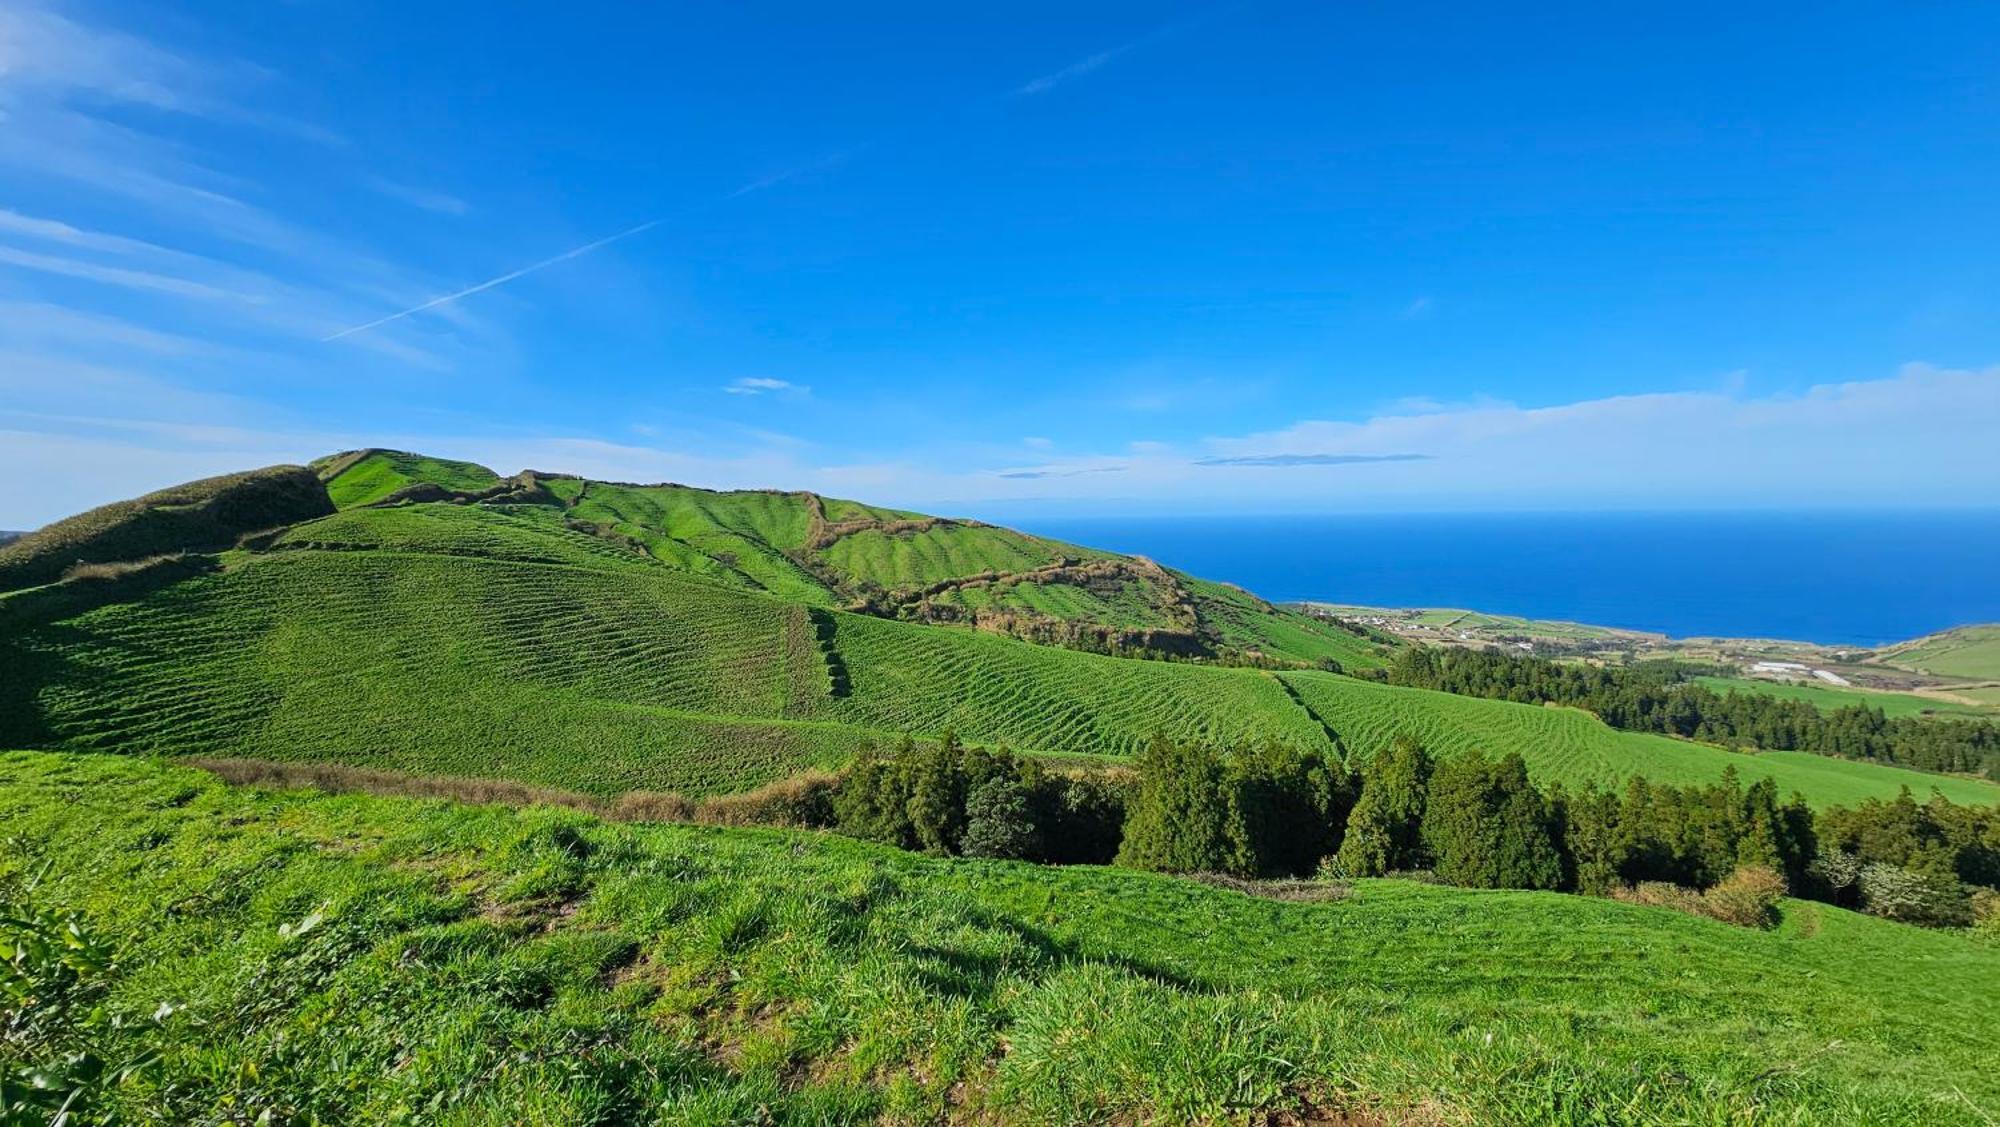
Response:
column 1662, row 697
column 1470, row 820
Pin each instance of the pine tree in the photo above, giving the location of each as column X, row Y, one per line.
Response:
column 1178, row 820
column 1384, row 831
column 937, row 796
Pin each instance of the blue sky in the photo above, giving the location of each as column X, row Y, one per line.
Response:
column 1077, row 258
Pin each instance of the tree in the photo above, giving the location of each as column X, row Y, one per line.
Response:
column 1178, row 821
column 1286, row 809
column 1384, row 832
column 874, row 798
column 1486, row 826
column 937, row 796
column 999, row 822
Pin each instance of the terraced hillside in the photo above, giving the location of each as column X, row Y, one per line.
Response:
column 888, row 562
column 500, row 640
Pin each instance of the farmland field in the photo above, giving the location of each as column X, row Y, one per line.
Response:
column 1829, row 697
column 1970, row 652
column 356, row 957
column 1574, row 747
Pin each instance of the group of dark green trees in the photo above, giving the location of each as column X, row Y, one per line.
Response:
column 1663, row 697
column 1468, row 820
column 952, row 799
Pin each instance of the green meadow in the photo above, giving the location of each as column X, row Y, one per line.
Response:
column 294, row 957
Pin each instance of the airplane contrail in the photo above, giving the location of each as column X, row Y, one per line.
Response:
column 1036, row 86
column 502, row 280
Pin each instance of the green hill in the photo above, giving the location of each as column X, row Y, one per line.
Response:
column 514, row 641
column 198, row 516
column 301, row 958
column 833, row 553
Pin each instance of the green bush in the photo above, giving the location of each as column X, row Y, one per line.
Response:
column 999, row 822
column 1915, row 896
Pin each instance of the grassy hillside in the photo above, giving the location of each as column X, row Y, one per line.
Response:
column 361, row 959
column 363, row 477
column 498, row 641
column 828, row 552
column 1969, row 652
column 196, row 516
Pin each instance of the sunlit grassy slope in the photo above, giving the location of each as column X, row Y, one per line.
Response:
column 497, row 641
column 366, row 960
column 831, row 552
column 364, row 477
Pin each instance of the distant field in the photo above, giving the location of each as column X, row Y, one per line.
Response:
column 354, row 958
column 1828, row 697
column 1574, row 747
column 1971, row 652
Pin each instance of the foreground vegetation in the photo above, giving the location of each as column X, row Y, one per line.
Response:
column 347, row 959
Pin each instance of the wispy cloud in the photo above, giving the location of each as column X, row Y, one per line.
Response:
column 1419, row 308
column 1310, row 459
column 763, row 385
column 1057, row 471
column 113, row 275
column 1077, row 69
column 423, row 198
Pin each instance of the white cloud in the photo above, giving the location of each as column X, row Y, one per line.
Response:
column 761, row 385
column 1421, row 307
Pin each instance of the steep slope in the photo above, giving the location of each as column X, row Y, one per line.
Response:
column 499, row 640
column 303, row 958
column 888, row 562
column 197, row 516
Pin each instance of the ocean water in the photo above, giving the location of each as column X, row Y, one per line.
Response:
column 1859, row 579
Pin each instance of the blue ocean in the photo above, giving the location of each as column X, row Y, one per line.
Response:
column 1859, row 579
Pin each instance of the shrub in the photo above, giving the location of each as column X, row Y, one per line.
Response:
column 1914, row 896
column 1986, row 912
column 999, row 822
column 1747, row 897
column 803, row 801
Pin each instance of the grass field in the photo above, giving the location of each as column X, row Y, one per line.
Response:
column 1970, row 652
column 499, row 643
column 356, row 959
column 1829, row 697
column 1574, row 747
